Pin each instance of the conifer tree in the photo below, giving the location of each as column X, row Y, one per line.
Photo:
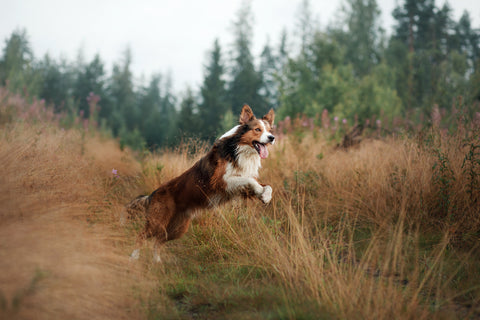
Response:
column 305, row 28
column 426, row 31
column 90, row 78
column 168, row 113
column 299, row 80
column 268, row 71
column 56, row 83
column 213, row 106
column 364, row 36
column 149, row 105
column 245, row 81
column 121, row 111
column 187, row 120
column 466, row 39
column 157, row 112
column 17, row 65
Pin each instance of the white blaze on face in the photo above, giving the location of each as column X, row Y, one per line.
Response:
column 264, row 139
column 265, row 133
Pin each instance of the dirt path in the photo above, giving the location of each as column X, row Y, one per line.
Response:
column 55, row 268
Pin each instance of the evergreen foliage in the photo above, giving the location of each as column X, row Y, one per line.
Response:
column 349, row 69
column 17, row 65
column 246, row 81
column 187, row 117
column 90, row 78
column 214, row 105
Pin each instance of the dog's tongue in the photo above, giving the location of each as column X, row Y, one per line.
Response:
column 263, row 151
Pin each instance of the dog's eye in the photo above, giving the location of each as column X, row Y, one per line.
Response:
column 258, row 130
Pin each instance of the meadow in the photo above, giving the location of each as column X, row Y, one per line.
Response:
column 386, row 229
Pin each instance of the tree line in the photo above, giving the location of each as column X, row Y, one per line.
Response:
column 351, row 69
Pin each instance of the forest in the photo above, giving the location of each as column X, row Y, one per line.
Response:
column 353, row 70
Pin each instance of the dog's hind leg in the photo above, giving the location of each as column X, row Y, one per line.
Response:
column 178, row 227
column 175, row 230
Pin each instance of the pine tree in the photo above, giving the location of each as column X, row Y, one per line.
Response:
column 17, row 54
column 363, row 39
column 213, row 96
column 268, row 71
column 418, row 29
column 245, row 81
column 168, row 113
column 56, row 84
column 149, row 105
column 17, row 65
column 298, row 84
column 121, row 111
column 187, row 121
column 90, row 78
column 283, row 50
column 158, row 118
column 466, row 40
column 305, row 28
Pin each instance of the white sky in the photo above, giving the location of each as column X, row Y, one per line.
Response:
column 164, row 35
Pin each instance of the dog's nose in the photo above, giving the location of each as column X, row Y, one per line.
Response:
column 271, row 138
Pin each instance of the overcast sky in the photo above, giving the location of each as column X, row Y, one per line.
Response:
column 164, row 35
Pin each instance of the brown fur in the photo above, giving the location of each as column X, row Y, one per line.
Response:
column 172, row 204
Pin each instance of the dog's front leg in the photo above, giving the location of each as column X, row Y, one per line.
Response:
column 236, row 185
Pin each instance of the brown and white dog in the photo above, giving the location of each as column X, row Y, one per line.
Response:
column 228, row 170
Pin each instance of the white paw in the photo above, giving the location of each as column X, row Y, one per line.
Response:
column 266, row 195
column 135, row 255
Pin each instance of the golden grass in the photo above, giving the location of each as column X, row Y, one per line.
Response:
column 350, row 234
column 385, row 230
column 55, row 260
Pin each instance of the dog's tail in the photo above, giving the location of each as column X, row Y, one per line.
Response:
column 138, row 206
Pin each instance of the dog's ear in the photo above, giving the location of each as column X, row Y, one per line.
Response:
column 246, row 115
column 269, row 117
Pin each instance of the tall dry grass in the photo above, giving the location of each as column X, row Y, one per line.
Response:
column 62, row 249
column 367, row 233
column 357, row 234
column 388, row 229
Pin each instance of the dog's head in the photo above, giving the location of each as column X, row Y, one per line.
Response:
column 252, row 133
column 256, row 133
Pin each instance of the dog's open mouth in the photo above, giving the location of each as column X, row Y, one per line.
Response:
column 261, row 149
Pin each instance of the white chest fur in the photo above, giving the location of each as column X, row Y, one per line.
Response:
column 248, row 162
column 244, row 174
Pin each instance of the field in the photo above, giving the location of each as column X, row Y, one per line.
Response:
column 388, row 229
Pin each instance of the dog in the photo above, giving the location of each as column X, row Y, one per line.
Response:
column 228, row 170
